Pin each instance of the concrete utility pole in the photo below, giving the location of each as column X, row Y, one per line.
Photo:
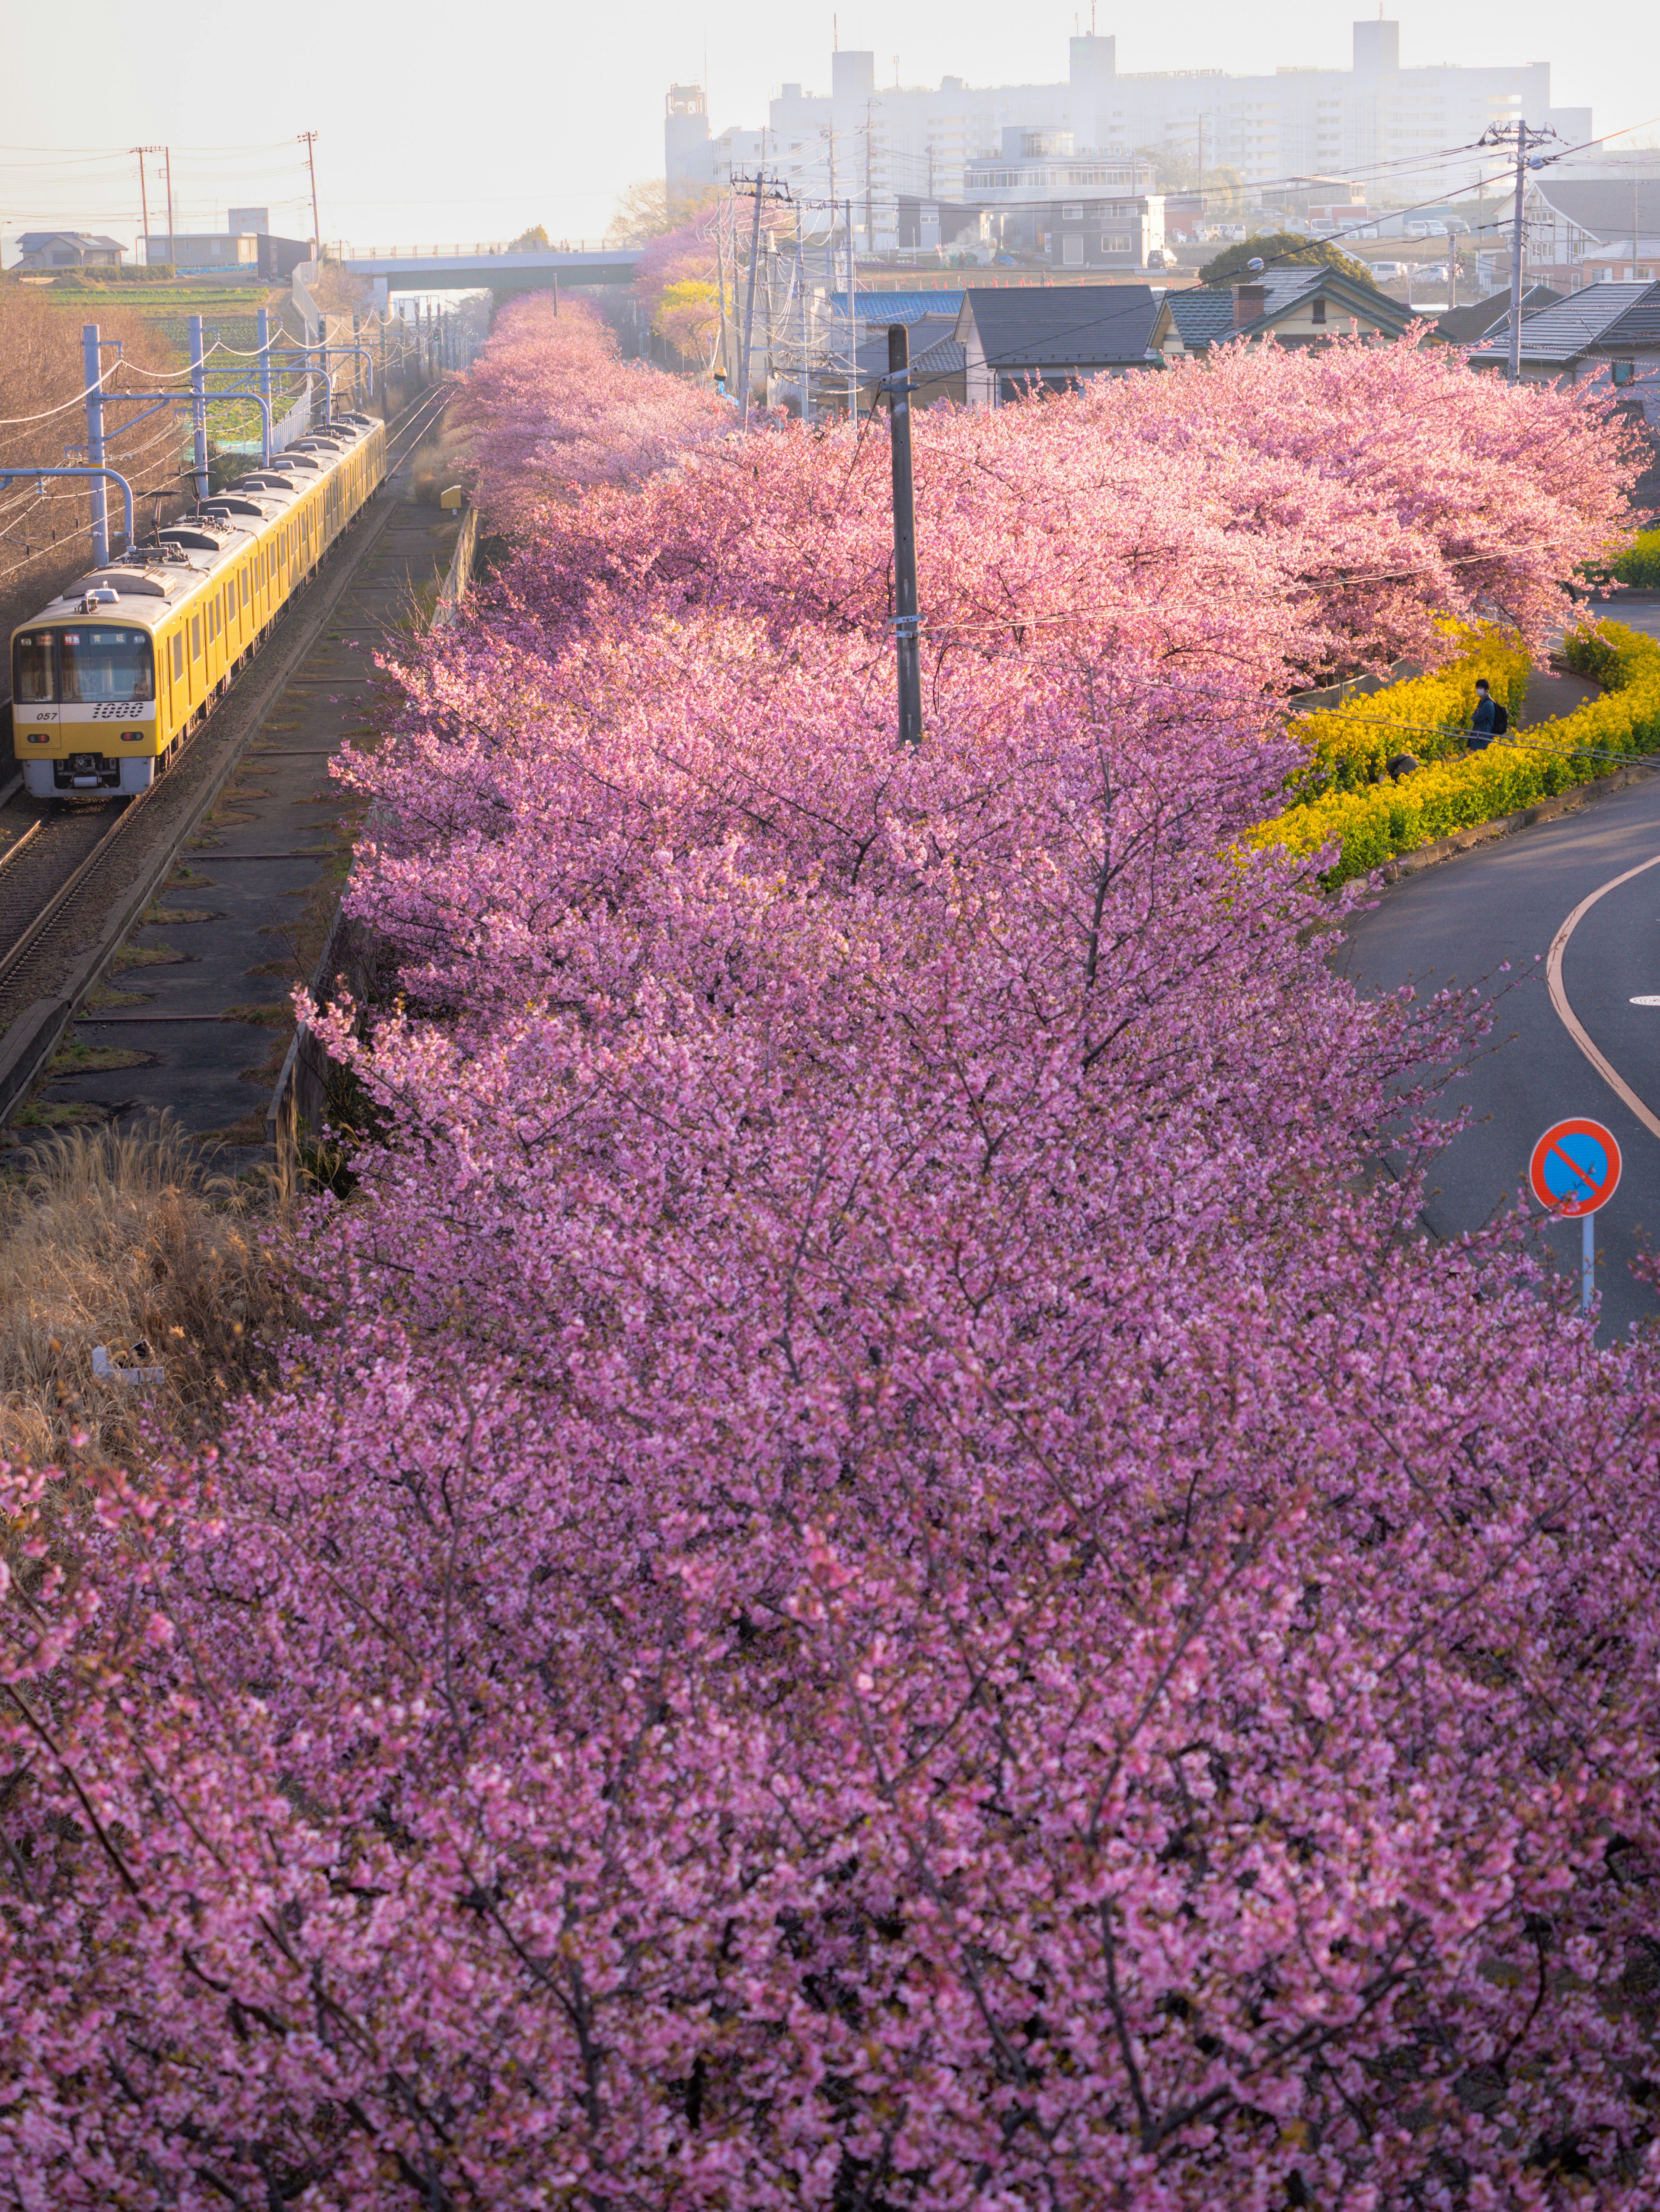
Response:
column 168, row 151
column 308, row 140
column 906, row 642
column 749, row 304
column 1500, row 134
column 852, row 322
column 1516, row 255
column 145, row 197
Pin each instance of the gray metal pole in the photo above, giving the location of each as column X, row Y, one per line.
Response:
column 749, row 307
column 265, row 377
column 852, row 322
column 907, row 644
column 1516, row 256
column 199, row 409
column 92, row 369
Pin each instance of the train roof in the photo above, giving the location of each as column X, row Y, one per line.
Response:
column 145, row 584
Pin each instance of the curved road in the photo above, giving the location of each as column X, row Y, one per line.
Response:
column 1458, row 922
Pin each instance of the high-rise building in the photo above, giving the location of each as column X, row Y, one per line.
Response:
column 1400, row 131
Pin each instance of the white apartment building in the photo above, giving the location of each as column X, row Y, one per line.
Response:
column 1395, row 128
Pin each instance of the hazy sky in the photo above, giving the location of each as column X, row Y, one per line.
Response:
column 473, row 121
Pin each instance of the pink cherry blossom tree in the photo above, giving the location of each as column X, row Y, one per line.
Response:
column 887, row 1575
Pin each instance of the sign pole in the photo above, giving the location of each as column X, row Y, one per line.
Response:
column 1574, row 1172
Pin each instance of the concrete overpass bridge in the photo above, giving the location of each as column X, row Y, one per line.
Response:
column 486, row 267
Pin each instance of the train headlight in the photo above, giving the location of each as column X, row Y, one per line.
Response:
column 132, row 737
column 38, row 737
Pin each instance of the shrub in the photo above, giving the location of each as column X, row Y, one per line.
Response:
column 1372, row 824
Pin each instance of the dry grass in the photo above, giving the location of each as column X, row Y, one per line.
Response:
column 47, row 541
column 126, row 1240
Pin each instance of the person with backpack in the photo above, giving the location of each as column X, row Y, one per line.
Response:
column 1489, row 720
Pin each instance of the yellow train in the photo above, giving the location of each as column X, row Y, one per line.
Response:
column 109, row 677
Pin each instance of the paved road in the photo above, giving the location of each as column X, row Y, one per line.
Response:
column 1459, row 921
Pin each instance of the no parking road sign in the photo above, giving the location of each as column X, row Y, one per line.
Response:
column 1575, row 1169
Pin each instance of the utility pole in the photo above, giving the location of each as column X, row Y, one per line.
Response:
column 907, row 644
column 308, row 140
column 1516, row 255
column 749, row 301
column 852, row 323
column 724, row 370
column 168, row 151
column 143, row 195
column 1499, row 134
column 1452, row 268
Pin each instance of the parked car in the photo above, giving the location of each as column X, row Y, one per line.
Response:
column 1385, row 272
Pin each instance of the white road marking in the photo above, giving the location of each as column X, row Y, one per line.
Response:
column 1570, row 1021
column 1645, row 1002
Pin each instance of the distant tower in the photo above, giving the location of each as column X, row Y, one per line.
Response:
column 1377, row 48
column 685, row 140
column 1093, row 75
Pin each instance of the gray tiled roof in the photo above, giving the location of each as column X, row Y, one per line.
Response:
column 1062, row 326
column 1469, row 325
column 1583, row 319
column 933, row 350
column 1203, row 314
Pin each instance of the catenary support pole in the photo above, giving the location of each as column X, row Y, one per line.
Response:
column 92, row 368
column 265, row 376
column 199, row 409
column 1516, row 254
column 907, row 644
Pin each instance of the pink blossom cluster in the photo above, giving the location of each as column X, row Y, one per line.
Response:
column 888, row 1577
column 551, row 408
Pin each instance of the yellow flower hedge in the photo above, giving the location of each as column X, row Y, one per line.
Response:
column 1372, row 824
column 1352, row 745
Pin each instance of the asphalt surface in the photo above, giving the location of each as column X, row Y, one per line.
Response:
column 1458, row 922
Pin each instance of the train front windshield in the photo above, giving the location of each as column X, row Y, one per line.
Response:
column 82, row 666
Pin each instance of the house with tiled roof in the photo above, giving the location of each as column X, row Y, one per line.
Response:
column 68, row 249
column 1300, row 305
column 936, row 362
column 1055, row 338
column 1616, row 326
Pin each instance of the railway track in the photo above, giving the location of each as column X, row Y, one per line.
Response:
column 63, row 878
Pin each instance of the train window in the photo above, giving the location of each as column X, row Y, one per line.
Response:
column 33, row 679
column 196, row 637
column 177, row 655
column 106, row 663
column 244, row 585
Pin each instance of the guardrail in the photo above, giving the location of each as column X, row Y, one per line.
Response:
column 467, row 248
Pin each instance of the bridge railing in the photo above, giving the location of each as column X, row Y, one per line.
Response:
column 463, row 250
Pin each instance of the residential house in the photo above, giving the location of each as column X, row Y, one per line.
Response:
column 1467, row 326
column 1055, row 337
column 68, row 249
column 1570, row 221
column 1302, row 304
column 1603, row 327
column 937, row 360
